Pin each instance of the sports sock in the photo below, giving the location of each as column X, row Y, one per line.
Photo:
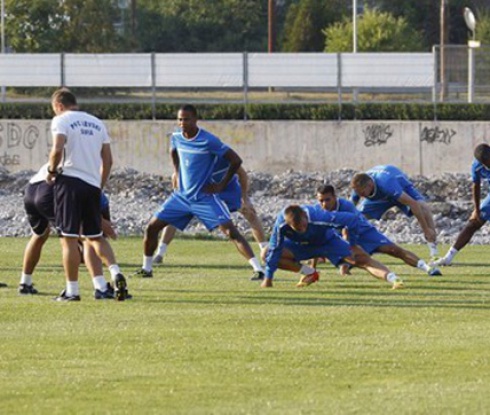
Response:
column 433, row 248
column 306, row 270
column 451, row 253
column 162, row 249
column 255, row 264
column 26, row 279
column 114, row 270
column 391, row 277
column 72, row 288
column 99, row 283
column 147, row 263
column 423, row 265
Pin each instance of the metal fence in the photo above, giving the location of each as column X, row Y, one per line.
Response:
column 254, row 77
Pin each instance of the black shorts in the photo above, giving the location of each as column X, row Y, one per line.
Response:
column 39, row 206
column 77, row 208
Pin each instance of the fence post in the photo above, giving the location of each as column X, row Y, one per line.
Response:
column 434, row 87
column 339, row 83
column 245, row 86
column 62, row 69
column 153, row 87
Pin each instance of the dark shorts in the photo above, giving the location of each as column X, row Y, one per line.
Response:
column 39, row 206
column 77, row 208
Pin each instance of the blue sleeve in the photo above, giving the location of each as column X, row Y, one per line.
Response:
column 216, row 146
column 390, row 187
column 275, row 249
column 354, row 197
column 347, row 206
column 475, row 172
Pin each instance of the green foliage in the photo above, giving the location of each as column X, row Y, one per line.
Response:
column 376, row 32
column 200, row 338
column 483, row 28
column 305, row 21
column 68, row 26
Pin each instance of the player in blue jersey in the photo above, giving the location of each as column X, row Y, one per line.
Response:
column 306, row 232
column 480, row 171
column 369, row 239
column 194, row 153
column 236, row 198
column 383, row 187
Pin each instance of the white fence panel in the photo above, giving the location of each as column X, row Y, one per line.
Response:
column 207, row 70
column 30, row 70
column 108, row 70
column 292, row 70
column 387, row 70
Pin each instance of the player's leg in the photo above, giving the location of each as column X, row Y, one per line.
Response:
column 408, row 257
column 167, row 237
column 32, row 255
column 429, row 219
column 250, row 214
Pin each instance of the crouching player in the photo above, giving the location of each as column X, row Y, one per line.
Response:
column 306, row 232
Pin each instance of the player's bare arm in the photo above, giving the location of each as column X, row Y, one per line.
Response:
column 476, row 196
column 55, row 156
column 106, row 156
column 235, row 163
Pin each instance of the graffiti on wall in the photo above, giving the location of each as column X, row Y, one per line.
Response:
column 437, row 135
column 377, row 134
column 18, row 139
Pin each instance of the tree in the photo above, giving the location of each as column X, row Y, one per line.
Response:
column 305, row 21
column 376, row 32
column 62, row 26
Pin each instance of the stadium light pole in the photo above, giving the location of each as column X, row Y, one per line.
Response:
column 354, row 26
column 2, row 13
column 470, row 21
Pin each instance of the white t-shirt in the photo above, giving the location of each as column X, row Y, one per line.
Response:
column 85, row 135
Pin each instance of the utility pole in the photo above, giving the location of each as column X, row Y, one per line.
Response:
column 271, row 26
column 442, row 53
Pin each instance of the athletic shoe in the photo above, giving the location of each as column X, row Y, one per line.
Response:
column 440, row 262
column 397, row 284
column 143, row 273
column 108, row 294
column 157, row 259
column 25, row 289
column 257, row 276
column 434, row 272
column 64, row 297
column 3, row 285
column 308, row 279
column 120, row 288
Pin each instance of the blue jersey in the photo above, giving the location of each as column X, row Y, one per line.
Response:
column 479, row 172
column 197, row 158
column 321, row 228
column 219, row 171
column 344, row 205
column 389, row 183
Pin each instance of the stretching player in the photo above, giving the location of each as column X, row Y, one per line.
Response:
column 370, row 240
column 383, row 187
column 480, row 170
column 194, row 154
column 306, row 232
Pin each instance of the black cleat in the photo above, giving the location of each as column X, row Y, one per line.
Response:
column 120, row 288
column 64, row 297
column 108, row 294
column 3, row 285
column 257, row 276
column 143, row 273
column 25, row 289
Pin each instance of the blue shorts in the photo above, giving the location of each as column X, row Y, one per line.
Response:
column 209, row 209
column 371, row 240
column 485, row 209
column 374, row 209
column 232, row 196
column 335, row 249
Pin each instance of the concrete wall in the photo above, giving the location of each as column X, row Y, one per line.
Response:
column 426, row 148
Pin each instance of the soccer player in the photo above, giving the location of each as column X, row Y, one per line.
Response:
column 370, row 240
column 383, row 187
column 480, row 170
column 80, row 162
column 194, row 152
column 307, row 232
column 39, row 206
column 236, row 198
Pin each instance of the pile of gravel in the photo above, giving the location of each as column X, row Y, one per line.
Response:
column 135, row 196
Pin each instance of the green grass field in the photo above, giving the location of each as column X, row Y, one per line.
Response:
column 200, row 338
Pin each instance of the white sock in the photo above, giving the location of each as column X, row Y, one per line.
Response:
column 26, row 279
column 306, row 270
column 423, row 265
column 72, row 288
column 114, row 270
column 391, row 277
column 99, row 283
column 451, row 253
column 263, row 245
column 162, row 249
column 433, row 248
column 147, row 263
column 255, row 264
